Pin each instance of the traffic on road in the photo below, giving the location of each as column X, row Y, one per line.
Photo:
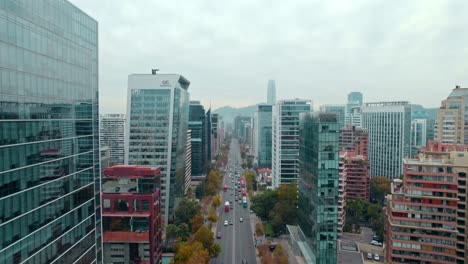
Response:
column 234, row 232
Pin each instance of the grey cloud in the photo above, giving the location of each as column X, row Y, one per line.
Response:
column 389, row 50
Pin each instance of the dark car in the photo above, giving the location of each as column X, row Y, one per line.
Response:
column 244, row 261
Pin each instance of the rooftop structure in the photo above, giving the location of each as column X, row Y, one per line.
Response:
column 131, row 212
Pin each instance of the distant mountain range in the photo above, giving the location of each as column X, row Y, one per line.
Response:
column 229, row 113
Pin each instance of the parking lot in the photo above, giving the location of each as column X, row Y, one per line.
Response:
column 364, row 242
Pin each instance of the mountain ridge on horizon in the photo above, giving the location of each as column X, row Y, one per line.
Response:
column 229, row 113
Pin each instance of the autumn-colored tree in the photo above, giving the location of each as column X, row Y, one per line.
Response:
column 281, row 256
column 250, row 180
column 213, row 183
column 259, row 229
column 379, row 187
column 197, row 222
column 288, row 192
column 212, row 215
column 204, row 236
column 192, row 253
column 216, row 201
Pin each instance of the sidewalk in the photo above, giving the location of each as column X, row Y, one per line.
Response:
column 253, row 222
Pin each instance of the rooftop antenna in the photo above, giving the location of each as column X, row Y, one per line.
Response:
column 153, row 71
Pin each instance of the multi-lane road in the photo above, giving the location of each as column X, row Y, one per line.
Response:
column 237, row 239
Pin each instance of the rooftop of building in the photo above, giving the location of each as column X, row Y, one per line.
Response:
column 125, row 237
column 131, row 171
column 458, row 91
column 293, row 101
column 453, row 158
column 165, row 80
column 394, row 103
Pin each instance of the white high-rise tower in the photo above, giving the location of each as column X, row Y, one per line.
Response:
column 271, row 92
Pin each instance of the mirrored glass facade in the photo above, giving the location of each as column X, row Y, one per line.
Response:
column 49, row 141
column 263, row 135
column 158, row 114
column 318, row 186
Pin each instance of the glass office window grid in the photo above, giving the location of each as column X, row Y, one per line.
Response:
column 111, row 130
column 340, row 111
column 197, row 124
column 318, row 185
column 149, row 138
column 263, row 136
column 49, row 149
column 286, row 140
column 389, row 128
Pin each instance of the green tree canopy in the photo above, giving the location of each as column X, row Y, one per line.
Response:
column 185, row 211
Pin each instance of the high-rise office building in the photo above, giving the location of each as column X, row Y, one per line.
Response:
column 208, row 137
column 340, row 111
column 49, row 137
column 157, row 116
column 131, row 214
column 112, row 134
column 214, row 135
column 353, row 112
column 426, row 212
column 354, row 117
column 341, row 194
column 188, row 162
column 389, row 128
column 263, row 136
column 452, row 122
column 271, row 92
column 318, row 187
column 239, row 125
column 355, row 98
column 197, row 124
column 418, row 135
column 285, row 140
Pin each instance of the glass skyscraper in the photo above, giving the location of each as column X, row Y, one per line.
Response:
column 158, row 114
column 340, row 111
column 285, row 140
column 353, row 109
column 112, row 131
column 318, row 186
column 49, row 138
column 389, row 128
column 271, row 92
column 197, row 125
column 263, row 135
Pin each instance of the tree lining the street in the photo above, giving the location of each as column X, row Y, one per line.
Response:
column 277, row 207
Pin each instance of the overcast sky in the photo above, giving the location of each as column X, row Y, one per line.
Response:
column 320, row 50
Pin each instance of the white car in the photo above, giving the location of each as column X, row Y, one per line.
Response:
column 226, row 222
column 241, row 220
column 376, row 243
column 376, row 257
column 369, row 256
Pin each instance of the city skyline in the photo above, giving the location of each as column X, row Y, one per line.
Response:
column 408, row 47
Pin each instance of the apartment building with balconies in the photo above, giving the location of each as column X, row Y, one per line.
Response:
column 426, row 211
column 131, row 214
